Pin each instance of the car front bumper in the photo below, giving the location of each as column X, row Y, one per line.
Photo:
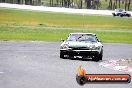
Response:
column 80, row 52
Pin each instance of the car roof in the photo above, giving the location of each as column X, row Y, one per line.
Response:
column 119, row 9
column 83, row 33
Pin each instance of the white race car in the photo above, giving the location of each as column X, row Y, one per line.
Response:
column 82, row 44
column 121, row 13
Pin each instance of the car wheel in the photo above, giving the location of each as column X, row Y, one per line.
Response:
column 96, row 58
column 113, row 14
column 128, row 15
column 62, row 55
column 118, row 14
column 121, row 15
column 71, row 57
column 101, row 55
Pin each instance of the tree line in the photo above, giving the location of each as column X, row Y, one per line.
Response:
column 27, row 2
column 92, row 4
column 113, row 4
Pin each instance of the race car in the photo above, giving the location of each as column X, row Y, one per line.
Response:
column 125, row 14
column 82, row 44
column 121, row 13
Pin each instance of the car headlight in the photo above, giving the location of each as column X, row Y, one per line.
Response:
column 65, row 46
column 98, row 47
column 93, row 47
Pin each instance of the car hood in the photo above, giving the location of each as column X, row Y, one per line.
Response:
column 81, row 44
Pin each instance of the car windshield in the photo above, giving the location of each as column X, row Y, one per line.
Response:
column 82, row 37
column 119, row 10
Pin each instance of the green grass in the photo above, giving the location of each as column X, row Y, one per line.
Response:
column 15, row 17
column 46, row 26
column 45, row 34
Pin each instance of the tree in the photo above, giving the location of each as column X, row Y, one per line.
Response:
column 126, row 4
column 88, row 4
column 114, row 4
column 71, row 3
column 129, row 2
column 119, row 3
column 97, row 4
column 28, row 2
column 57, row 2
column 2, row 0
column 51, row 2
column 68, row 3
column 110, row 4
column 81, row 3
column 62, row 3
column 18, row 1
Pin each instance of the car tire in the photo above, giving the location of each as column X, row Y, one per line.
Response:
column 62, row 55
column 96, row 58
column 101, row 55
column 71, row 57
column 114, row 15
column 121, row 15
column 128, row 15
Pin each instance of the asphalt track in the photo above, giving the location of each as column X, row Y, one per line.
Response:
column 37, row 65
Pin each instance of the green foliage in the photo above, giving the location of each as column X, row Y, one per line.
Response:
column 104, row 4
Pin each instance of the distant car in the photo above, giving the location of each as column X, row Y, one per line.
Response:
column 82, row 44
column 121, row 13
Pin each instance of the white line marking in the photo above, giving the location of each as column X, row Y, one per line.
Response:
column 1, row 72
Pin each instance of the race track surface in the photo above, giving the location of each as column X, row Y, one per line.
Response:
column 37, row 65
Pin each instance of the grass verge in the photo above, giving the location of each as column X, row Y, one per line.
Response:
column 45, row 26
column 47, row 34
